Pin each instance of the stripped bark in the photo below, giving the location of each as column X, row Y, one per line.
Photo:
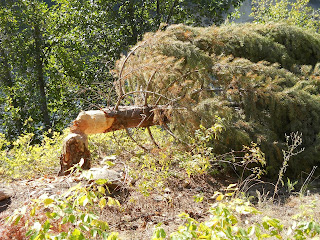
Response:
column 75, row 146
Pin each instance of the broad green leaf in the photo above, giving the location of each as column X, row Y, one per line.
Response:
column 101, row 189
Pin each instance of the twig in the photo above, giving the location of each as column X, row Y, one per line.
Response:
column 121, row 71
column 134, row 92
column 308, row 179
column 296, row 140
column 152, row 138
column 130, row 136
column 147, row 88
column 166, row 127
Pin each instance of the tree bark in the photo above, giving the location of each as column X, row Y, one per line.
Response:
column 39, row 74
column 75, row 146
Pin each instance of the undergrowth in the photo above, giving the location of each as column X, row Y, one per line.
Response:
column 72, row 215
column 21, row 159
column 225, row 222
column 76, row 213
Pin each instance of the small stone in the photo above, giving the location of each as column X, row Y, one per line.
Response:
column 167, row 190
column 5, row 194
column 115, row 179
column 102, row 173
column 158, row 198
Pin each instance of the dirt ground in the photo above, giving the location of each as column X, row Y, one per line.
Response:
column 139, row 214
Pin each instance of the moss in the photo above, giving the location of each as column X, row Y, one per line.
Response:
column 262, row 79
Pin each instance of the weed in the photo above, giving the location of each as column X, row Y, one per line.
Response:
column 73, row 215
column 293, row 141
column 21, row 159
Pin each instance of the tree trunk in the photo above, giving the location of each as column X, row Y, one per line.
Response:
column 75, row 146
column 40, row 78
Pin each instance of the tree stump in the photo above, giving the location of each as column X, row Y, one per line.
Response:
column 75, row 148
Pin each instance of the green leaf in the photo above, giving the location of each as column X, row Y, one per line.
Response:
column 71, row 218
column 159, row 234
column 77, row 235
column 46, row 226
column 101, row 189
column 83, row 200
column 113, row 202
column 16, row 221
column 102, row 203
column 101, row 181
column 113, row 236
column 48, row 201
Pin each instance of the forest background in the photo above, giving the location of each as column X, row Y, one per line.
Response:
column 56, row 56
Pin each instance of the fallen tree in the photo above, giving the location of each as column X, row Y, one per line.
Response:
column 260, row 81
column 75, row 146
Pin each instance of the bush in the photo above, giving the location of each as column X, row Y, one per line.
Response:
column 23, row 159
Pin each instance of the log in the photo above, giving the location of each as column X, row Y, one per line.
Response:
column 75, row 145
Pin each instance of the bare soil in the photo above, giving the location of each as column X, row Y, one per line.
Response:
column 139, row 214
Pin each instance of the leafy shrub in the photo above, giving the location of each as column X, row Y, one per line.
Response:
column 296, row 12
column 24, row 159
column 73, row 215
column 225, row 223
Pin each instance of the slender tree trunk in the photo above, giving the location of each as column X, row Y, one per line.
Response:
column 158, row 16
column 6, row 69
column 39, row 73
column 75, row 146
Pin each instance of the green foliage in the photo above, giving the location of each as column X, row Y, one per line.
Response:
column 294, row 12
column 260, row 79
column 22, row 159
column 31, row 84
column 55, row 60
column 155, row 167
column 225, row 223
column 70, row 216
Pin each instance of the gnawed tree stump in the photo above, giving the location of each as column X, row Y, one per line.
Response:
column 75, row 146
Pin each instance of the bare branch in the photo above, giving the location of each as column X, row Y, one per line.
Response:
column 121, row 71
column 152, row 138
column 130, row 136
column 147, row 88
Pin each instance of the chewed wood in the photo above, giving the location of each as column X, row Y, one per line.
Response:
column 75, row 146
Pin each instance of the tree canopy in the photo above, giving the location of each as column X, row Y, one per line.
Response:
column 259, row 81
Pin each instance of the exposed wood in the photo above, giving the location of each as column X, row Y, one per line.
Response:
column 75, row 146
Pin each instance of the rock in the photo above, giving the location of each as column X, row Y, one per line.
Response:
column 102, row 173
column 114, row 178
column 158, row 198
column 5, row 194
